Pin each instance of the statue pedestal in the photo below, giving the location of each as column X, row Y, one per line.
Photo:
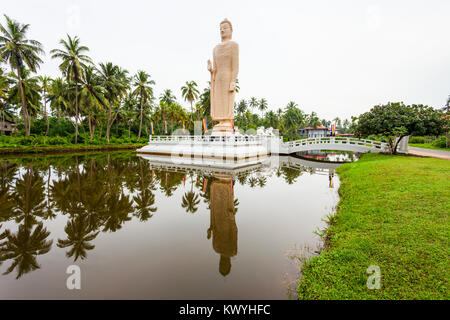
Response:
column 227, row 150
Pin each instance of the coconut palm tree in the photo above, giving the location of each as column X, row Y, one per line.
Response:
column 45, row 84
column 129, row 112
column 262, row 106
column 58, row 97
column 73, row 63
column 144, row 91
column 241, row 107
column 166, row 99
column 92, row 94
column 30, row 89
column 253, row 103
column 190, row 93
column 115, row 81
column 18, row 51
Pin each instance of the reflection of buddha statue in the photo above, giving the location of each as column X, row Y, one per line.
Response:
column 224, row 70
column 223, row 224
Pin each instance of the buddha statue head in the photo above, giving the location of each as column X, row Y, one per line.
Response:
column 226, row 30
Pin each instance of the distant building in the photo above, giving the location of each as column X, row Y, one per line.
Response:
column 317, row 132
column 345, row 135
column 6, row 126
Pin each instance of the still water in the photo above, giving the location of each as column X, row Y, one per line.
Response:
column 143, row 230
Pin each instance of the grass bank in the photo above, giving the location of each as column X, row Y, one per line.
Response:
column 427, row 146
column 66, row 148
column 393, row 213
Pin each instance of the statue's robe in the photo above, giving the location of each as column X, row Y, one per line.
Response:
column 225, row 71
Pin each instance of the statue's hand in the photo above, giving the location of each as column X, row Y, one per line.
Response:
column 233, row 86
column 209, row 66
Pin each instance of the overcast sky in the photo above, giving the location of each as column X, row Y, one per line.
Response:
column 338, row 58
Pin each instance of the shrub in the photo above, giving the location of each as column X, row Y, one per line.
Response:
column 53, row 141
column 441, row 142
column 417, row 140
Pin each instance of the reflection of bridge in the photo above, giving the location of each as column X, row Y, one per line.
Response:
column 266, row 162
column 333, row 143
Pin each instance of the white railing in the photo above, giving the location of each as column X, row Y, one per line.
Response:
column 210, row 139
column 329, row 142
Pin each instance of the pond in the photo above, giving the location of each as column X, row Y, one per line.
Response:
column 143, row 230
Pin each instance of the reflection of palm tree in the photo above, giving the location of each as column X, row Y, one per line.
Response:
column 23, row 247
column 252, row 182
column 262, row 181
column 29, row 196
column 190, row 200
column 144, row 202
column 120, row 206
column 78, row 237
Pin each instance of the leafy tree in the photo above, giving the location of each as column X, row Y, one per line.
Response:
column 45, row 84
column 29, row 88
column 18, row 51
column 144, row 91
column 92, row 94
column 396, row 120
column 262, row 106
column 253, row 103
column 73, row 63
column 190, row 93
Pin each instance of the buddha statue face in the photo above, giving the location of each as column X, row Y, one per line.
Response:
column 226, row 30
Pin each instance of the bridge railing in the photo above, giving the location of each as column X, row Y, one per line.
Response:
column 336, row 140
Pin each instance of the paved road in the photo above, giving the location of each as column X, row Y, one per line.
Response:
column 429, row 153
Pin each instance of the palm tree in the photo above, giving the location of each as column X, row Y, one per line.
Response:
column 253, row 103
column 79, row 233
column 73, row 62
column 16, row 49
column 167, row 99
column 337, row 121
column 45, row 84
column 115, row 81
column 129, row 112
column 144, row 90
column 262, row 106
column 31, row 94
column 190, row 93
column 57, row 96
column 241, row 107
column 92, row 93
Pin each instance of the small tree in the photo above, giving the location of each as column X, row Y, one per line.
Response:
column 396, row 120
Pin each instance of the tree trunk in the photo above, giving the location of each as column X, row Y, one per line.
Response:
column 108, row 124
column 76, row 112
column 46, row 114
column 89, row 120
column 140, row 121
column 129, row 130
column 22, row 98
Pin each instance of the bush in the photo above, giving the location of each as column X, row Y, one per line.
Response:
column 417, row 140
column 441, row 142
column 53, row 141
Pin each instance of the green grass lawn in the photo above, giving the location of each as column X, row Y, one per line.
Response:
column 393, row 213
column 426, row 146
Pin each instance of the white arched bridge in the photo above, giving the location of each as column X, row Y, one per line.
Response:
column 332, row 143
